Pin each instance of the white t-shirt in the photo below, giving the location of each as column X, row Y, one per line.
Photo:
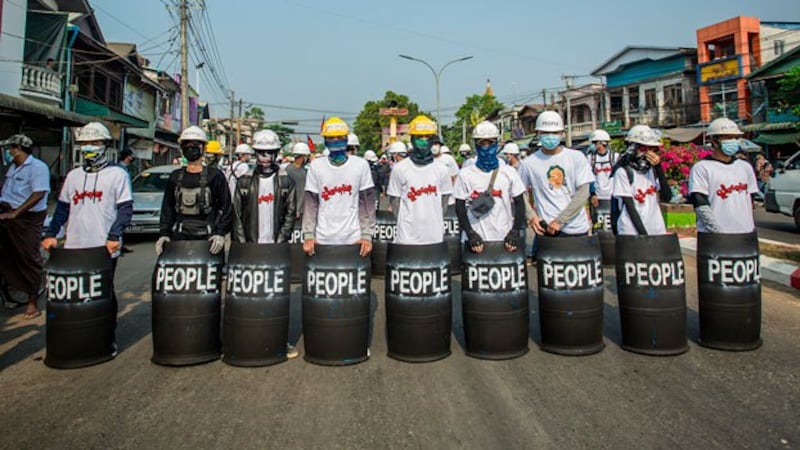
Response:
column 450, row 162
column 728, row 187
column 472, row 181
column 645, row 196
column 420, row 220
column 603, row 185
column 236, row 170
column 338, row 188
column 266, row 208
column 93, row 198
column 554, row 179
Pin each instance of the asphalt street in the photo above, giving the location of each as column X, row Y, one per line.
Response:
column 614, row 399
column 776, row 226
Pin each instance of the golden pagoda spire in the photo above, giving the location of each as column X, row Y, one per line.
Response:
column 489, row 90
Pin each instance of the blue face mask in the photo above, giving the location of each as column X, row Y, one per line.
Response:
column 487, row 157
column 338, row 157
column 338, row 145
column 7, row 156
column 729, row 146
column 550, row 141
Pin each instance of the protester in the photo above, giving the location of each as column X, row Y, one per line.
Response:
column 721, row 186
column 197, row 202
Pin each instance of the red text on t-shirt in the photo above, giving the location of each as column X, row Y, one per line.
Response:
column 97, row 195
column 415, row 193
column 724, row 191
column 641, row 195
column 269, row 198
column 342, row 189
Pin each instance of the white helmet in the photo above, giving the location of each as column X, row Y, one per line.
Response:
column 599, row 135
column 722, row 127
column 464, row 148
column 369, row 155
column 511, row 149
column 243, row 149
column 549, row 121
column 301, row 148
column 352, row 140
column 397, row 147
column 93, row 131
column 444, row 149
column 266, row 140
column 193, row 133
column 644, row 135
column 326, row 152
column 485, row 130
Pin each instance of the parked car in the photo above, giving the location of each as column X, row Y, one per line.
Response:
column 783, row 190
column 148, row 193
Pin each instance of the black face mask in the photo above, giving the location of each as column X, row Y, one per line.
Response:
column 639, row 162
column 192, row 153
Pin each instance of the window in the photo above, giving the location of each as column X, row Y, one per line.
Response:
column 616, row 101
column 99, row 87
column 633, row 99
column 650, row 99
column 114, row 93
column 673, row 95
column 779, row 47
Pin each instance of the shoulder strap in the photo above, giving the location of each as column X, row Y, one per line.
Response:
column 494, row 177
column 179, row 180
column 204, row 177
column 629, row 172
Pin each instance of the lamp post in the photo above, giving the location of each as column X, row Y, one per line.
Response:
column 197, row 77
column 437, row 76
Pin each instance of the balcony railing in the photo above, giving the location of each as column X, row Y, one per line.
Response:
column 41, row 82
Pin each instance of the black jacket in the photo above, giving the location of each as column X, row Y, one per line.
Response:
column 245, row 206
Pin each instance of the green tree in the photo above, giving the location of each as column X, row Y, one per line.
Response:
column 475, row 109
column 788, row 95
column 369, row 123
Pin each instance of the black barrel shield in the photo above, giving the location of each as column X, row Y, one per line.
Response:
column 385, row 228
column 255, row 326
column 602, row 228
column 297, row 253
column 81, row 314
column 651, row 286
column 187, row 287
column 452, row 237
column 336, row 305
column 418, row 302
column 729, row 284
column 494, row 300
column 570, row 278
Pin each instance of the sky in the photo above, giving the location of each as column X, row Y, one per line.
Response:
column 332, row 57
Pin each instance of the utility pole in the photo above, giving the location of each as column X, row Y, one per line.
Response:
column 229, row 134
column 568, row 83
column 239, row 124
column 184, row 65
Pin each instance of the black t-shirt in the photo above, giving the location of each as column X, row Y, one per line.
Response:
column 221, row 207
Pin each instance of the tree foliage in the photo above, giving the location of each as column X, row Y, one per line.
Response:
column 254, row 112
column 788, row 95
column 475, row 109
column 369, row 123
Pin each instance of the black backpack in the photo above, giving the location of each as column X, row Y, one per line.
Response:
column 616, row 210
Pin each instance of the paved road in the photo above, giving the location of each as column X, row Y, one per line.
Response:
column 614, row 399
column 776, row 226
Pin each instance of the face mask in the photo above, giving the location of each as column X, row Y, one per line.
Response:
column 338, row 157
column 421, row 151
column 192, row 153
column 436, row 149
column 637, row 160
column 94, row 157
column 487, row 157
column 212, row 159
column 266, row 162
column 339, row 145
column 7, row 156
column 729, row 146
column 550, row 141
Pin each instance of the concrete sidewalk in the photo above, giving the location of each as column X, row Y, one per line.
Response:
column 786, row 273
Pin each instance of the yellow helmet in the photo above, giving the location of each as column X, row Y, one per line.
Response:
column 422, row 126
column 214, row 147
column 335, row 127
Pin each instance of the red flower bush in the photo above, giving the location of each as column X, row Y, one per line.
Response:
column 677, row 162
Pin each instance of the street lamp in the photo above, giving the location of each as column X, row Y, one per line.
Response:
column 197, row 76
column 437, row 76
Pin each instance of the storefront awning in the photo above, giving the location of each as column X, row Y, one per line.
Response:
column 102, row 112
column 770, row 126
column 792, row 137
column 682, row 134
column 51, row 114
column 166, row 143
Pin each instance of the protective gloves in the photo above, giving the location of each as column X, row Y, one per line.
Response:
column 160, row 244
